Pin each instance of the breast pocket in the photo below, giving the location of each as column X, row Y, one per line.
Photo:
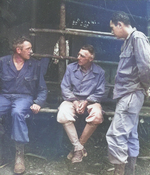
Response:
column 127, row 62
column 7, row 82
column 126, row 53
column 31, row 83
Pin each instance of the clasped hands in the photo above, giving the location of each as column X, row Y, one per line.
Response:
column 80, row 106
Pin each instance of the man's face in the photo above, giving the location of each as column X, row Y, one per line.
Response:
column 25, row 51
column 116, row 29
column 84, row 58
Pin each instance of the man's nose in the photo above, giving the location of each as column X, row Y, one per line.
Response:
column 31, row 51
column 79, row 56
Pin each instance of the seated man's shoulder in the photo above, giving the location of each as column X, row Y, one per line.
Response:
column 72, row 65
column 6, row 57
column 34, row 61
column 98, row 69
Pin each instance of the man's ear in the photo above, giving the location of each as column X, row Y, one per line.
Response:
column 119, row 24
column 91, row 58
column 18, row 50
column 110, row 22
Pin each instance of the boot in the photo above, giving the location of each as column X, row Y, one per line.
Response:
column 19, row 160
column 87, row 132
column 70, row 155
column 78, row 155
column 130, row 166
column 119, row 169
column 73, row 137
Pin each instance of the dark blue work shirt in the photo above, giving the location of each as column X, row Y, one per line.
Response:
column 29, row 81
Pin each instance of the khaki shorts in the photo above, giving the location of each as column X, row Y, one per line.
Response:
column 67, row 113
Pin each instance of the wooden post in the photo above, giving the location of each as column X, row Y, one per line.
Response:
column 33, row 23
column 62, row 41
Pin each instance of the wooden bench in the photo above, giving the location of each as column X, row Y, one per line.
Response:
column 108, row 104
column 145, row 111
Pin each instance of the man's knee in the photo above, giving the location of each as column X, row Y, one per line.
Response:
column 95, row 114
column 16, row 112
column 20, row 115
column 66, row 112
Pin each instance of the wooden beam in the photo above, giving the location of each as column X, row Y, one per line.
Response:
column 76, row 32
column 39, row 56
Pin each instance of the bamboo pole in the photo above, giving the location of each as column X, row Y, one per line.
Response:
column 70, row 31
column 89, row 32
column 77, row 32
column 70, row 58
column 33, row 23
column 36, row 55
column 62, row 42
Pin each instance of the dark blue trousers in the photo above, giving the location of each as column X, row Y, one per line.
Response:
column 19, row 107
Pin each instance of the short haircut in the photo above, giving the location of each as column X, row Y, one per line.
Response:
column 122, row 17
column 18, row 42
column 90, row 48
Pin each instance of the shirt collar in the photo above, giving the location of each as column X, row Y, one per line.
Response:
column 79, row 68
column 134, row 29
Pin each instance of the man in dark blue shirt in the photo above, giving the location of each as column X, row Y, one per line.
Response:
column 23, row 91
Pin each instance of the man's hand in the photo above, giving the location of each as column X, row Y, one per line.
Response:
column 35, row 108
column 76, row 105
column 80, row 106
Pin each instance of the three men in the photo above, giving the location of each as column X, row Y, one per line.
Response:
column 22, row 91
column 83, row 86
column 131, row 83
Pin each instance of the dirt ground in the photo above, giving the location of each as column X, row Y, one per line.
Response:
column 46, row 153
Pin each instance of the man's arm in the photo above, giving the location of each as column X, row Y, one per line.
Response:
column 67, row 93
column 99, row 90
column 66, row 87
column 41, row 92
column 142, row 55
